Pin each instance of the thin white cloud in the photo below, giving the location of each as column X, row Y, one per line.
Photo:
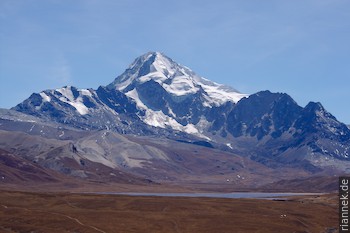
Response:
column 60, row 72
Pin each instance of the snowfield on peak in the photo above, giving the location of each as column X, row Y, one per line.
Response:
column 163, row 89
column 176, row 79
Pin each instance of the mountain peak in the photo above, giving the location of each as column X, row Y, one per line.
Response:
column 175, row 79
column 151, row 65
column 155, row 54
column 148, row 59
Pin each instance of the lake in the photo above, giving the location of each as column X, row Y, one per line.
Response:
column 255, row 195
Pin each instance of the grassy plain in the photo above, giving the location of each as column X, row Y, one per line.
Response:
column 65, row 212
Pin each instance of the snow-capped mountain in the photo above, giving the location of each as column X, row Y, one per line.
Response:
column 83, row 108
column 154, row 91
column 157, row 96
column 170, row 94
column 177, row 80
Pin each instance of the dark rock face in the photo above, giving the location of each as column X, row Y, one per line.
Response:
column 282, row 125
column 315, row 118
column 263, row 114
column 117, row 101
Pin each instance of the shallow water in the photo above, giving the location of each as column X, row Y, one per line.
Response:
column 255, row 195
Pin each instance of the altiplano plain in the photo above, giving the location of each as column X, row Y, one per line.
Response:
column 64, row 212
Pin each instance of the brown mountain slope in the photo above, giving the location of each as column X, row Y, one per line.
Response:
column 14, row 169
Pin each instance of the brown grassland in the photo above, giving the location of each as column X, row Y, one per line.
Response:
column 64, row 212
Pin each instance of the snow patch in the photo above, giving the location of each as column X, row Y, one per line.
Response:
column 45, row 97
column 159, row 119
column 135, row 96
column 86, row 92
column 181, row 85
column 219, row 94
column 68, row 97
column 79, row 106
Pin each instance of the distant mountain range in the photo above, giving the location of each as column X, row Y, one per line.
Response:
column 158, row 98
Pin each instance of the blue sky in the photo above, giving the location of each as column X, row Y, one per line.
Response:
column 301, row 47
